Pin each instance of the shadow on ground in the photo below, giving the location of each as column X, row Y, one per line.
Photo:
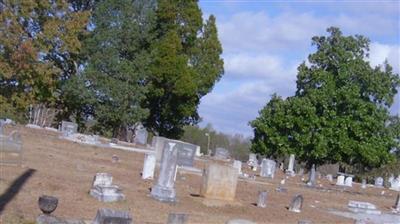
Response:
column 14, row 188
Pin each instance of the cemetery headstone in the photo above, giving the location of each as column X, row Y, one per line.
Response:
column 268, row 167
column 238, row 165
column 177, row 218
column 395, row 184
column 141, row 135
column 348, row 181
column 239, row 221
column 149, row 166
column 262, row 199
column 340, row 180
column 221, row 154
column 363, row 207
column 252, row 160
column 329, row 177
column 198, row 151
column 158, row 145
column 164, row 190
column 109, row 216
column 290, row 169
column 296, row 203
column 311, row 180
column 68, row 128
column 219, row 182
column 186, row 154
column 379, row 182
column 103, row 189
column 363, row 183
column 47, row 204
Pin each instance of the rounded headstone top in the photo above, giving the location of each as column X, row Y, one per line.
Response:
column 47, row 203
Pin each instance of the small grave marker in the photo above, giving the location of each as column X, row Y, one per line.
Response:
column 296, row 204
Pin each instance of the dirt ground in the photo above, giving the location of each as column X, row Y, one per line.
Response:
column 64, row 169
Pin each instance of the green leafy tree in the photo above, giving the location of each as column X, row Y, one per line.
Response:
column 111, row 87
column 340, row 110
column 186, row 64
column 30, row 32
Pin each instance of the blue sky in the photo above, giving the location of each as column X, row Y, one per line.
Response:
column 265, row 41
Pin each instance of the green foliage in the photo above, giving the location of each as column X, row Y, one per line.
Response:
column 340, row 110
column 111, row 87
column 30, row 32
column 186, row 64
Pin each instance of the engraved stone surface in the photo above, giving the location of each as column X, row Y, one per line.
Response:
column 362, row 207
column 141, row 135
column 340, row 180
column 186, row 154
column 164, row 190
column 219, row 182
column 290, row 169
column 221, row 154
column 268, row 167
column 103, row 189
column 149, row 166
column 262, row 199
column 68, row 128
column 379, row 182
column 252, row 160
column 109, row 216
column 296, row 204
column 348, row 181
column 158, row 145
column 311, row 180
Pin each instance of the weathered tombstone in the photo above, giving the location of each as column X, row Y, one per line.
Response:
column 363, row 207
column 262, row 199
column 219, row 182
column 239, row 221
column 252, row 160
column 149, row 166
column 395, row 184
column 109, row 216
column 296, row 204
column 103, row 189
column 268, row 167
column 164, row 190
column 396, row 207
column 141, row 135
column 340, row 180
column 348, row 181
column 379, row 182
column 311, row 180
column 198, row 151
column 363, row 183
column 186, row 154
column 47, row 204
column 238, row 165
column 290, row 169
column 177, row 218
column 68, row 128
column 221, row 154
column 157, row 144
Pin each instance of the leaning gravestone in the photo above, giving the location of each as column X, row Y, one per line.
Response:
column 262, row 199
column 109, row 216
column 219, row 182
column 290, row 169
column 311, row 180
column 268, row 167
column 141, row 135
column 177, row 218
column 103, row 189
column 68, row 128
column 164, row 190
column 149, row 166
column 186, row 154
column 221, row 154
column 379, row 182
column 296, row 204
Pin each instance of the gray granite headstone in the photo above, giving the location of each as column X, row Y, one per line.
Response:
column 296, row 203
column 149, row 166
column 363, row 207
column 379, row 182
column 268, row 167
column 221, row 153
column 290, row 169
column 186, row 154
column 311, row 180
column 262, row 199
column 109, row 216
column 68, row 128
column 252, row 160
column 103, row 189
column 363, row 183
column 164, row 190
column 141, row 135
column 177, row 218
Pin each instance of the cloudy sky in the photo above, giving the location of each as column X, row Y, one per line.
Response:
column 265, row 41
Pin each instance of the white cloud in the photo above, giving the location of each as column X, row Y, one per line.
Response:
column 381, row 52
